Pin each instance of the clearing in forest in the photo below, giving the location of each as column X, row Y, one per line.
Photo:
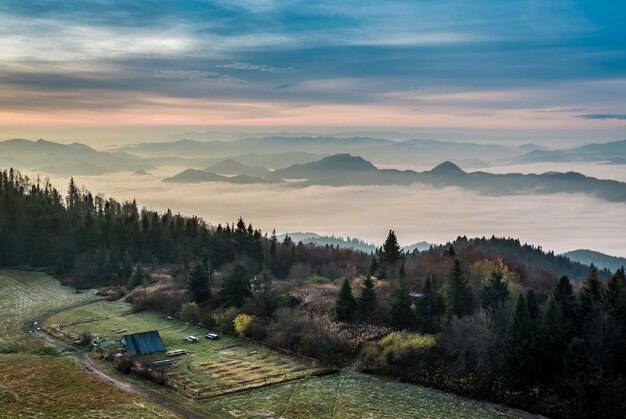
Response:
column 211, row 367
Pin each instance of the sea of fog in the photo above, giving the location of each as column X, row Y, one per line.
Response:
column 557, row 222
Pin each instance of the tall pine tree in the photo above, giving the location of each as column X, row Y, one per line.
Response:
column 345, row 304
column 402, row 316
column 429, row 307
column 459, row 296
column 391, row 255
column 235, row 286
column 591, row 297
column 367, row 300
column 199, row 282
column 520, row 345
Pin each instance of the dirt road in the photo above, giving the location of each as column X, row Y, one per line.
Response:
column 97, row 371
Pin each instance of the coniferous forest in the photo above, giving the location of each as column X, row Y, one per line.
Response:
column 490, row 318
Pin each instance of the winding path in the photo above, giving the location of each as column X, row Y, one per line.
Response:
column 100, row 373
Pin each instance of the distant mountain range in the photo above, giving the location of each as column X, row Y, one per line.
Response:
column 282, row 151
column 614, row 152
column 346, row 243
column 385, row 151
column 71, row 159
column 79, row 159
column 347, row 170
column 600, row 260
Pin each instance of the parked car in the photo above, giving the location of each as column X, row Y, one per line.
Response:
column 212, row 336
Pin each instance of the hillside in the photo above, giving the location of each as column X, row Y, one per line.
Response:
column 197, row 176
column 232, row 167
column 531, row 262
column 328, row 167
column 601, row 260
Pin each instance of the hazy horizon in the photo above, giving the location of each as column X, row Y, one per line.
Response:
column 560, row 222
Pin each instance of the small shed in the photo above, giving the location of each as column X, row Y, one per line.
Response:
column 144, row 343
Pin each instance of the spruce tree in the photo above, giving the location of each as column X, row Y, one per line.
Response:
column 579, row 367
column 459, row 296
column 273, row 242
column 374, row 268
column 519, row 345
column 533, row 307
column 367, row 300
column 345, row 303
column 402, row 316
column 494, row 293
column 615, row 300
column 235, row 286
column 564, row 295
column 199, row 282
column 554, row 341
column 429, row 307
column 591, row 297
column 391, row 255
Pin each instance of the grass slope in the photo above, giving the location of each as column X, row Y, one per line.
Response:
column 343, row 395
column 352, row 395
column 39, row 381
column 224, row 365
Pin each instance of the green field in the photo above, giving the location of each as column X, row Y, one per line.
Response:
column 212, row 368
column 39, row 381
column 352, row 395
column 342, row 395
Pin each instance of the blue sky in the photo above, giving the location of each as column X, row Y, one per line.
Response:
column 468, row 66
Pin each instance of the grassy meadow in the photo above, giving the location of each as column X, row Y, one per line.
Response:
column 211, row 368
column 37, row 380
column 342, row 395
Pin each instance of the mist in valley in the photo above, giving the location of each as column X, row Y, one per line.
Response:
column 558, row 222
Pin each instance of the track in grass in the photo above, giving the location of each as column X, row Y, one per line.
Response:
column 37, row 380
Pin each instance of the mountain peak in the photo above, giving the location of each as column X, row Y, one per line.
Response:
column 447, row 168
column 233, row 167
column 347, row 161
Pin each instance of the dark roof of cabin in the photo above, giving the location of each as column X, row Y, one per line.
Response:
column 144, row 343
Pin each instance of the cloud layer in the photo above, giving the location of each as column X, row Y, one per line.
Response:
column 557, row 222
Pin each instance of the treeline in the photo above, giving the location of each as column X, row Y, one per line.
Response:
column 97, row 240
column 560, row 354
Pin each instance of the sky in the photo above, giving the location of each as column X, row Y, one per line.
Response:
column 106, row 71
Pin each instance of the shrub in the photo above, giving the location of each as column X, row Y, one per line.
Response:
column 397, row 352
column 165, row 296
column 316, row 279
column 257, row 329
column 471, row 344
column 190, row 312
column 242, row 322
column 224, row 320
column 123, row 363
column 86, row 337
